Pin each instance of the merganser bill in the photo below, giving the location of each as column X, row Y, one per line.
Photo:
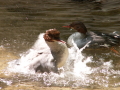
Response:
column 48, row 53
column 83, row 36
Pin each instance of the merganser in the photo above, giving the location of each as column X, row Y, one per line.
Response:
column 47, row 55
column 82, row 37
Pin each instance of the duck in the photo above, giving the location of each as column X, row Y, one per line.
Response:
column 95, row 39
column 47, row 54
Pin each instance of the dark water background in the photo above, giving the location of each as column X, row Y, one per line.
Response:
column 21, row 21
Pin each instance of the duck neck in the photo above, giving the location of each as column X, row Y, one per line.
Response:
column 59, row 51
column 82, row 31
column 81, row 35
column 54, row 46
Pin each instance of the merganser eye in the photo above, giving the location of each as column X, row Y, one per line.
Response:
column 77, row 27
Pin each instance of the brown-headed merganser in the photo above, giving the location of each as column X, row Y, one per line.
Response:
column 48, row 53
column 83, row 36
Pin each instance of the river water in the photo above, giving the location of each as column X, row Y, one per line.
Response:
column 21, row 21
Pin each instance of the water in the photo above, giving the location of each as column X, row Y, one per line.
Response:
column 22, row 21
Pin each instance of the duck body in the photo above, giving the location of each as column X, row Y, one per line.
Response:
column 79, row 39
column 44, row 56
column 96, row 39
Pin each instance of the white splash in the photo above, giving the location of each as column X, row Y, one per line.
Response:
column 8, row 82
column 75, row 73
column 80, row 67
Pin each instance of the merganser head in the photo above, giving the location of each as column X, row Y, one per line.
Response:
column 79, row 26
column 52, row 35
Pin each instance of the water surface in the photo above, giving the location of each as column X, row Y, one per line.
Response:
column 22, row 21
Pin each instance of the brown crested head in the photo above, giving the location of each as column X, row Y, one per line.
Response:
column 79, row 26
column 52, row 35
